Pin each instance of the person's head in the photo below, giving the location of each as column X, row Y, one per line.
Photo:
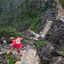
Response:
column 12, row 38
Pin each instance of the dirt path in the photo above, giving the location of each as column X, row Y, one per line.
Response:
column 49, row 23
column 46, row 28
column 44, row 31
column 60, row 9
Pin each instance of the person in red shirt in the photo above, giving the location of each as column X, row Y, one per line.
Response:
column 16, row 43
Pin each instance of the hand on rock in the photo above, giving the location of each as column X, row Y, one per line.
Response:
column 8, row 52
column 10, row 44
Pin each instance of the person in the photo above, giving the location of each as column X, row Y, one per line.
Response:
column 11, row 40
column 16, row 43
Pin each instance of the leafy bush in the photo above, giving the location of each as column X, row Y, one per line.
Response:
column 34, row 26
column 62, row 50
column 31, row 17
column 11, row 60
column 7, row 32
column 54, row 20
column 49, row 33
column 42, row 43
column 27, row 41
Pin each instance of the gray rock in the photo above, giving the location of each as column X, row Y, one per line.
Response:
column 48, row 52
column 25, row 62
column 30, row 58
column 57, row 60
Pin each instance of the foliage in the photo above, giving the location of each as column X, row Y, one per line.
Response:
column 7, row 32
column 1, row 7
column 62, row 50
column 35, row 22
column 29, row 15
column 11, row 60
column 29, row 41
column 33, row 18
column 42, row 43
column 49, row 33
column 54, row 20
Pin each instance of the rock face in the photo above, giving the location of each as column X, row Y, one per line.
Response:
column 3, row 50
column 3, row 60
column 57, row 36
column 57, row 60
column 28, row 55
column 3, row 57
column 48, row 53
column 29, row 58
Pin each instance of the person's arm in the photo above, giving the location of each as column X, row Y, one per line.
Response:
column 12, row 47
column 9, row 51
column 21, row 38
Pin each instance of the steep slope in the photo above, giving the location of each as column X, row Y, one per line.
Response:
column 7, row 10
column 62, row 3
column 60, row 9
column 27, row 14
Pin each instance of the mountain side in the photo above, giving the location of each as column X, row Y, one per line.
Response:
column 26, row 14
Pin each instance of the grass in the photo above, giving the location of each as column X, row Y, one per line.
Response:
column 42, row 43
column 62, row 50
column 7, row 32
column 11, row 60
column 29, row 41
column 32, row 18
column 49, row 33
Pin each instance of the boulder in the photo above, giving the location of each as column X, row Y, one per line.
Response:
column 57, row 35
column 30, row 58
column 48, row 52
column 57, row 60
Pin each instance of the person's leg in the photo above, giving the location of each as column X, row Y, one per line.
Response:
column 19, row 54
column 18, row 51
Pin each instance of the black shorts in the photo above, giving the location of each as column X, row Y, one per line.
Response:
column 19, row 50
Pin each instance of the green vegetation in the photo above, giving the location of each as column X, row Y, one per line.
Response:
column 61, row 1
column 27, row 41
column 49, row 33
column 62, row 50
column 1, row 7
column 32, row 19
column 42, row 43
column 7, row 32
column 11, row 60
column 28, row 14
column 54, row 20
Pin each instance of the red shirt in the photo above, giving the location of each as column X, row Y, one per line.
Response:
column 18, row 46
